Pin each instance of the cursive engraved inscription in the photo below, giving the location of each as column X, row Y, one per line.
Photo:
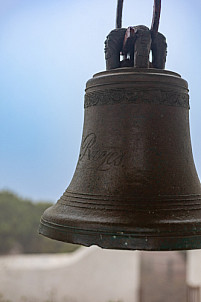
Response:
column 103, row 159
column 86, row 146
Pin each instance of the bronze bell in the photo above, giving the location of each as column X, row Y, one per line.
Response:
column 135, row 185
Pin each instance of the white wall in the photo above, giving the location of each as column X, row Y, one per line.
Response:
column 88, row 275
column 194, row 268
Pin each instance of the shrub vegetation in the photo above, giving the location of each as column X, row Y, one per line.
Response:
column 19, row 220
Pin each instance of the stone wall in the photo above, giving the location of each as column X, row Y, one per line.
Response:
column 88, row 275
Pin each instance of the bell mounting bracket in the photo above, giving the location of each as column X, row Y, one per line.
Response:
column 136, row 43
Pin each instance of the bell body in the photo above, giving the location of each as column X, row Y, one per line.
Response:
column 135, row 185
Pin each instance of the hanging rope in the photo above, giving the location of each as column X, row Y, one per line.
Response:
column 155, row 20
column 156, row 16
column 119, row 13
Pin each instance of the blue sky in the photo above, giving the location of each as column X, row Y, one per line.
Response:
column 48, row 50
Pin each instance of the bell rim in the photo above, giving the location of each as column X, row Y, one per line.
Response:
column 121, row 240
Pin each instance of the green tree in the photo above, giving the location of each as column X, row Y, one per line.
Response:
column 19, row 220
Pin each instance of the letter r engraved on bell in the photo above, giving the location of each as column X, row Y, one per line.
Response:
column 86, row 145
column 135, row 185
column 97, row 158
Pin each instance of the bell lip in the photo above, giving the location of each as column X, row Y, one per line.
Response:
column 119, row 240
column 137, row 71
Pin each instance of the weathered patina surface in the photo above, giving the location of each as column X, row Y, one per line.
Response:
column 135, row 184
